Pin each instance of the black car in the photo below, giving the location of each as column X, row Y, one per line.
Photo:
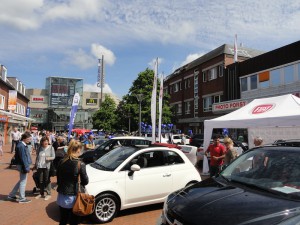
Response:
column 261, row 187
column 91, row 156
column 197, row 140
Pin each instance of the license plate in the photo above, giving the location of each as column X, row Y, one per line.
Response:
column 176, row 222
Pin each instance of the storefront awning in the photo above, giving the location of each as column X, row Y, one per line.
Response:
column 16, row 116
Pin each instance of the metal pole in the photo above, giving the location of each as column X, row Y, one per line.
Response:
column 140, row 118
column 129, row 124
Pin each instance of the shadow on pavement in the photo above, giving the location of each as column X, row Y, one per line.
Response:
column 52, row 211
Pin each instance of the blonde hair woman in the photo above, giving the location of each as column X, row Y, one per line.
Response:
column 67, row 178
column 231, row 153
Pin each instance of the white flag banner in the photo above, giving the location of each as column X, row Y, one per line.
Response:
column 235, row 49
column 160, row 100
column 153, row 101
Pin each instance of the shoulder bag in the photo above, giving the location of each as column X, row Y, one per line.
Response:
column 85, row 203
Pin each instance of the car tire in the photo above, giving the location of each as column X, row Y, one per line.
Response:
column 106, row 208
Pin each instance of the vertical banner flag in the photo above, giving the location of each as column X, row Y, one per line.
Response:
column 153, row 101
column 235, row 49
column 161, row 93
column 12, row 100
column 75, row 103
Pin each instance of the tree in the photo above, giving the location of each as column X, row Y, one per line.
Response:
column 130, row 105
column 105, row 117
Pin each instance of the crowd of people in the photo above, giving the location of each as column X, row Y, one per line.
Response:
column 41, row 151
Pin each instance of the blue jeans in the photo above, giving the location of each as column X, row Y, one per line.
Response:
column 21, row 185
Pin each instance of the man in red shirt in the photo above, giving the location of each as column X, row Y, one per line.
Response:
column 216, row 150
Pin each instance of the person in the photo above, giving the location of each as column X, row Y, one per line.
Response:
column 44, row 155
column 216, row 150
column 183, row 139
column 230, row 154
column 1, row 144
column 23, row 162
column 67, row 180
column 89, row 143
column 59, row 148
column 258, row 141
column 36, row 141
column 15, row 138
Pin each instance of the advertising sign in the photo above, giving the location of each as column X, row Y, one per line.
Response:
column 60, row 95
column 37, row 98
column 225, row 106
column 12, row 100
column 75, row 103
column 91, row 101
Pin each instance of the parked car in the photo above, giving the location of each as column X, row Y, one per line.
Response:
column 197, row 140
column 163, row 138
column 92, row 155
column 176, row 139
column 262, row 186
column 128, row 177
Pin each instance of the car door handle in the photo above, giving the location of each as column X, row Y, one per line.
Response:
column 167, row 175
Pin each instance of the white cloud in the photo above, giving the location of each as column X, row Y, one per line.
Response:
column 94, row 88
column 191, row 57
column 84, row 60
column 99, row 50
column 153, row 61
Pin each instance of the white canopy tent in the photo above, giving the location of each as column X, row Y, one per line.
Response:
column 268, row 114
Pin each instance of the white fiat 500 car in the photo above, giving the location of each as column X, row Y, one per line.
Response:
column 128, row 177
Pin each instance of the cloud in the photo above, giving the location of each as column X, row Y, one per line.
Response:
column 191, row 57
column 99, row 50
column 94, row 88
column 153, row 61
column 85, row 60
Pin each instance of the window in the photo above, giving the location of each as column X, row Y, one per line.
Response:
column 289, row 74
column 171, row 89
column 275, row 77
column 185, row 84
column 189, row 82
column 207, row 104
column 204, row 75
column 244, row 85
column 179, row 109
column 212, row 73
column 220, row 70
column 187, row 106
column 264, row 79
column 174, row 158
column 180, row 86
column 196, row 103
column 176, row 87
column 253, row 82
column 2, row 100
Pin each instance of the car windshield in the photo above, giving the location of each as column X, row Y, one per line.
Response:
column 114, row 158
column 270, row 169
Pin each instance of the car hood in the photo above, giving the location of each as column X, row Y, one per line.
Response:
column 96, row 175
column 209, row 202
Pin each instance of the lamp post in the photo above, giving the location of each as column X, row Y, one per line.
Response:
column 140, row 98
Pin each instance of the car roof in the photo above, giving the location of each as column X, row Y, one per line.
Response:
column 129, row 138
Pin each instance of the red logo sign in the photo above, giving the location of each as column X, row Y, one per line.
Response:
column 262, row 108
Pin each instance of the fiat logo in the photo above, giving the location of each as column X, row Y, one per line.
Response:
column 262, row 108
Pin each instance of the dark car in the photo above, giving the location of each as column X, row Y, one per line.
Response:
column 261, row 187
column 92, row 155
column 197, row 140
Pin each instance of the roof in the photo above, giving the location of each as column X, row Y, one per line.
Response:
column 223, row 49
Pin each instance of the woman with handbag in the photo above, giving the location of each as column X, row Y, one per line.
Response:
column 44, row 157
column 67, row 181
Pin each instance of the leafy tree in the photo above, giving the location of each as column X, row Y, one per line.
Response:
column 105, row 117
column 130, row 105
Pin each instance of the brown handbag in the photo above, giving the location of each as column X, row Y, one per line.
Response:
column 85, row 203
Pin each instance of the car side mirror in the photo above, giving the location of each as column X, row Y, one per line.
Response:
column 133, row 168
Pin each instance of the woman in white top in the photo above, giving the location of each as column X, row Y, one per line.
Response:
column 45, row 154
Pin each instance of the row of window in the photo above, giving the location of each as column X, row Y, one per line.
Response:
column 20, row 109
column 207, row 104
column 273, row 78
column 177, row 86
column 213, row 73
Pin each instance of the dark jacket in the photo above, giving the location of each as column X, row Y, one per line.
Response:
column 22, row 157
column 67, row 177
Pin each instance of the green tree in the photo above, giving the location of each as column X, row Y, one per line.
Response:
column 105, row 117
column 130, row 105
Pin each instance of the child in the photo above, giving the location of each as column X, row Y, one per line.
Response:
column 1, row 145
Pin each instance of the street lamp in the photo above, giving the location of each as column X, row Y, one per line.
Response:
column 139, row 97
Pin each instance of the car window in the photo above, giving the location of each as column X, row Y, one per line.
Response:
column 174, row 158
column 269, row 169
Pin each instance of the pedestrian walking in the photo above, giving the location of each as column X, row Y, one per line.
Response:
column 23, row 162
column 15, row 138
column 44, row 156
column 67, row 180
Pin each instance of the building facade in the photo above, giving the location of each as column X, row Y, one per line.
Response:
column 14, row 109
column 196, row 86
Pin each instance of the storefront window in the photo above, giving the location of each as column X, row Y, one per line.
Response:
column 244, row 84
column 253, row 82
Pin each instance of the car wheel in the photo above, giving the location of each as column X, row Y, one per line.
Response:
column 106, row 208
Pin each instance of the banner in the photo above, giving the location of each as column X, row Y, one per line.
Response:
column 153, row 101
column 160, row 100
column 235, row 49
column 12, row 100
column 75, row 103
